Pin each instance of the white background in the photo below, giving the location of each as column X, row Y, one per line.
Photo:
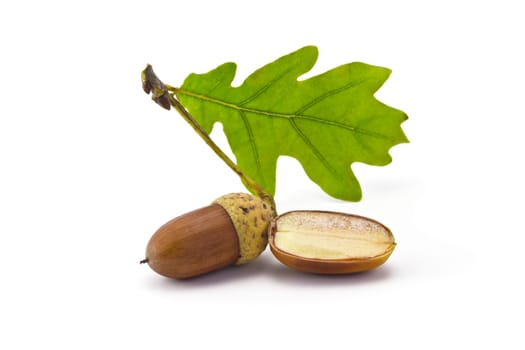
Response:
column 91, row 167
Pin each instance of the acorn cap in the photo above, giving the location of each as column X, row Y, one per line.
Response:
column 250, row 217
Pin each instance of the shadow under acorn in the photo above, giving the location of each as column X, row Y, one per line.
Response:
column 268, row 267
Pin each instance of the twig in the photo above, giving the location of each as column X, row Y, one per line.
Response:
column 164, row 96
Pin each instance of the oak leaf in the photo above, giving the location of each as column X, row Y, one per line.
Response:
column 326, row 122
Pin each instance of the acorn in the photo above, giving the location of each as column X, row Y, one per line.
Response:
column 233, row 230
column 324, row 242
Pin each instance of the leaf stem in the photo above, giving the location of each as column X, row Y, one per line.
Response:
column 164, row 95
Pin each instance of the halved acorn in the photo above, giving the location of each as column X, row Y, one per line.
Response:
column 326, row 242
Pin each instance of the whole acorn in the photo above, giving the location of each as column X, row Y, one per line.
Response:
column 233, row 230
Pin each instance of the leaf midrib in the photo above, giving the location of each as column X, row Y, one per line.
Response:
column 283, row 115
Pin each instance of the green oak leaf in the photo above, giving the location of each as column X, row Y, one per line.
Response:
column 327, row 122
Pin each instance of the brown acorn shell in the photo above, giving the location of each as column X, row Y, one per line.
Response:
column 328, row 266
column 193, row 244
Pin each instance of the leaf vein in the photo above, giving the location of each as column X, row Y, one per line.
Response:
column 326, row 95
column 264, row 88
column 251, row 138
column 314, row 149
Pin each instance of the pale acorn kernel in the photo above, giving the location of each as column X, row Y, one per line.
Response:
column 321, row 235
column 250, row 217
